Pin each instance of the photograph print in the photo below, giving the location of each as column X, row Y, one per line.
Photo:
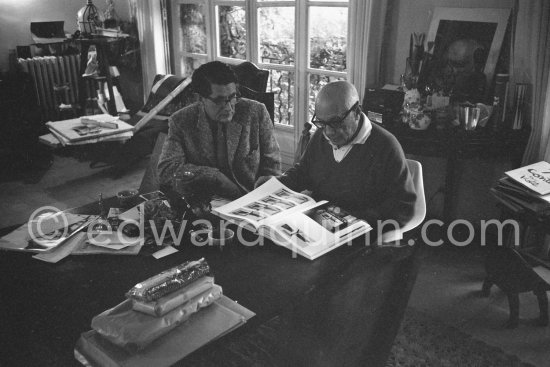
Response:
column 287, row 195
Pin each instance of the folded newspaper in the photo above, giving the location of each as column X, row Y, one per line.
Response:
column 293, row 220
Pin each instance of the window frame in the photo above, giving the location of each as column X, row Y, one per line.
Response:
column 288, row 135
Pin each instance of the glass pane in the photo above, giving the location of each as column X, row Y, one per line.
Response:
column 282, row 83
column 328, row 33
column 276, row 26
column 232, row 23
column 192, row 28
column 290, row 1
column 188, row 65
column 316, row 82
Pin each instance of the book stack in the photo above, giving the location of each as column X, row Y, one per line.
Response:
column 526, row 188
column 87, row 130
column 163, row 319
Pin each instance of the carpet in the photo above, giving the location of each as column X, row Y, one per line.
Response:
column 424, row 341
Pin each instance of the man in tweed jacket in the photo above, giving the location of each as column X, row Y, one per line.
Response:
column 223, row 141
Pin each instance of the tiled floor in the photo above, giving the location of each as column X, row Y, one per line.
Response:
column 447, row 285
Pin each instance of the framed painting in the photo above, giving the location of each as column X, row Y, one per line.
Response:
column 466, row 45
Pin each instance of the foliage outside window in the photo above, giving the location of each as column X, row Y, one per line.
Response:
column 277, row 32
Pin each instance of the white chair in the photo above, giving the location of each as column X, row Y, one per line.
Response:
column 394, row 237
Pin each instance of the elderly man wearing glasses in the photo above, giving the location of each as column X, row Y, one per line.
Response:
column 352, row 162
column 222, row 143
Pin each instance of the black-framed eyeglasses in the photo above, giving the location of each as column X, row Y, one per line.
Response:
column 222, row 102
column 334, row 124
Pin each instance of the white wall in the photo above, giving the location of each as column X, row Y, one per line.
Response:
column 17, row 15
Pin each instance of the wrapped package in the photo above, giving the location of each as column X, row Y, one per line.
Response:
column 169, row 281
column 172, row 300
column 134, row 330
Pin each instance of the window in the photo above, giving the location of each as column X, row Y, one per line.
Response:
column 303, row 43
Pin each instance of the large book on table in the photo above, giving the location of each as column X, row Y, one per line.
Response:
column 75, row 130
column 534, row 177
column 294, row 220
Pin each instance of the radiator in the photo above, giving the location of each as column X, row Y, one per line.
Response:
column 50, row 71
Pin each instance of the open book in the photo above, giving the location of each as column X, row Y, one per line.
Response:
column 293, row 220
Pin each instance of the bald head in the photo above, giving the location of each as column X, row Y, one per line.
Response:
column 335, row 98
column 334, row 106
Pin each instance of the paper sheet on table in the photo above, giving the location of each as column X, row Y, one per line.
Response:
column 543, row 272
column 116, row 243
column 49, row 230
column 63, row 250
column 115, row 239
column 133, row 214
column 169, row 250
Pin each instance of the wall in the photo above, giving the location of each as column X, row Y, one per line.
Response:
column 476, row 176
column 16, row 16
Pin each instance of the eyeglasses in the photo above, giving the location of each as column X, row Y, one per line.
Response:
column 222, row 102
column 335, row 124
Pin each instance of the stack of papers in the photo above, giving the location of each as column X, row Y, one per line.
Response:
column 526, row 188
column 87, row 130
column 221, row 317
column 54, row 236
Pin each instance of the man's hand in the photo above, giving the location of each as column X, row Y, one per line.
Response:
column 261, row 180
column 212, row 180
column 226, row 187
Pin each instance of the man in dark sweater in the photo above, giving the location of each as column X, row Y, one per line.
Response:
column 353, row 163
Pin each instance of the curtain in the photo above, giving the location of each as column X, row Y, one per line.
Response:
column 531, row 64
column 151, row 30
column 366, row 40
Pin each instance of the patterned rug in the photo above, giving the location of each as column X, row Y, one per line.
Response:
column 423, row 341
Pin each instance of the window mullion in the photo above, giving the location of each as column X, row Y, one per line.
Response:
column 301, row 92
column 212, row 28
column 252, row 30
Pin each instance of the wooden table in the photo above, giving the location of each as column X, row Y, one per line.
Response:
column 341, row 309
column 454, row 143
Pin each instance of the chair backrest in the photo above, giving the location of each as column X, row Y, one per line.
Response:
column 163, row 85
column 415, row 168
column 267, row 98
column 150, row 181
column 251, row 76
